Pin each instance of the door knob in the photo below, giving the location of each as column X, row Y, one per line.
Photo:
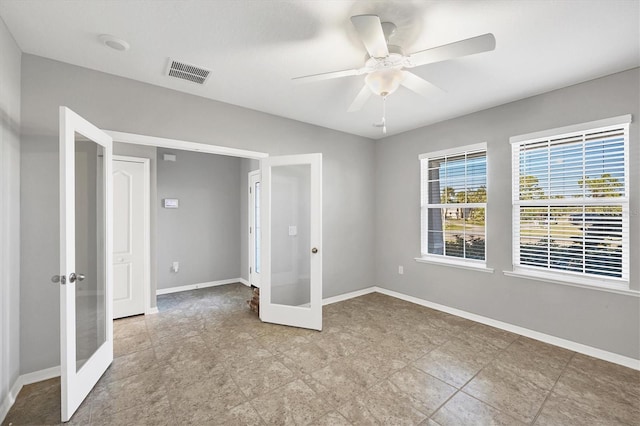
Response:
column 59, row 279
column 73, row 277
column 314, row 250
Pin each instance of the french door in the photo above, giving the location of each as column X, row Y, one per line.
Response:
column 86, row 301
column 291, row 243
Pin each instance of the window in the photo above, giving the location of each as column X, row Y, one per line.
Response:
column 454, row 203
column 570, row 205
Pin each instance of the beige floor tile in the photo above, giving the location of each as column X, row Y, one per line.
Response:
column 198, row 402
column 600, row 396
column 188, row 348
column 338, row 382
column 457, row 361
column 131, row 364
column 258, row 377
column 427, row 392
column 37, row 404
column 181, row 374
column 507, row 392
column 609, row 375
column 494, row 336
column 128, row 328
column 464, row 410
column 332, row 418
column 159, row 414
column 145, row 388
column 242, row 415
column 383, row 404
column 293, row 404
column 307, row 357
column 130, row 344
column 563, row 411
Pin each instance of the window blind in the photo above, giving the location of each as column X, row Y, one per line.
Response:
column 570, row 204
column 453, row 202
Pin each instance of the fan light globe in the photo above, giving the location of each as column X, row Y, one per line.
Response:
column 384, row 82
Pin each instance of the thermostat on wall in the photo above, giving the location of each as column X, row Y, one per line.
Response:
column 170, row 203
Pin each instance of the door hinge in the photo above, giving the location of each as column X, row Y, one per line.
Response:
column 250, row 269
column 250, row 230
column 249, row 190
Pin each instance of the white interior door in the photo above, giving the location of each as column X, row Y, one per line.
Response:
column 254, row 228
column 130, row 235
column 86, row 328
column 291, row 246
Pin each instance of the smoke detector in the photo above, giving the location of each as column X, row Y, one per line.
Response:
column 114, row 42
column 189, row 72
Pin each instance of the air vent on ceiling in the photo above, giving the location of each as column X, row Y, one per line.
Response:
column 187, row 72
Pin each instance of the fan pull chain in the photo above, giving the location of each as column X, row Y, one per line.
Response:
column 384, row 115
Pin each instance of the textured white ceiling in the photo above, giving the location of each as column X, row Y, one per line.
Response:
column 255, row 47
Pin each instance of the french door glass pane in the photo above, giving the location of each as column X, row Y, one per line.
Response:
column 291, row 235
column 90, row 249
column 256, row 227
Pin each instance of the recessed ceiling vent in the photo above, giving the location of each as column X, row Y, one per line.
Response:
column 187, row 72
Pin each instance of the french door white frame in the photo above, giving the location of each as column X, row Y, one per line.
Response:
column 254, row 275
column 147, row 225
column 298, row 316
column 76, row 384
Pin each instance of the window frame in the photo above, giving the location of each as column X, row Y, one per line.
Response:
column 443, row 259
column 581, row 279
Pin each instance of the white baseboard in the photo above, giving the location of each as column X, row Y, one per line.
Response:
column 347, row 296
column 38, row 376
column 152, row 311
column 243, row 281
column 196, row 286
column 25, row 379
column 547, row 338
column 8, row 401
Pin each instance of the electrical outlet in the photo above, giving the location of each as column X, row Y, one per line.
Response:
column 175, row 266
column 400, row 269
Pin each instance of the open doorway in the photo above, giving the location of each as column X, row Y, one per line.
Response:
column 182, row 250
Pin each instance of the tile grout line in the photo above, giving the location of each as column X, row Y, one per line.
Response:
column 474, row 376
column 552, row 388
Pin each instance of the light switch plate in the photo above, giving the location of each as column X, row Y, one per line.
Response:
column 170, row 203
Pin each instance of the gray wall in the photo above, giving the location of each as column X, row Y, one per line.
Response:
column 149, row 152
column 203, row 234
column 117, row 103
column 603, row 320
column 9, row 211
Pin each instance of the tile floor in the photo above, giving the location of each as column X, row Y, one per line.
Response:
column 205, row 359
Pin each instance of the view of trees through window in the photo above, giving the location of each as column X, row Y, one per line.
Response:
column 570, row 214
column 456, row 204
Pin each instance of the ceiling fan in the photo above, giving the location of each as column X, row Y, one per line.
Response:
column 386, row 64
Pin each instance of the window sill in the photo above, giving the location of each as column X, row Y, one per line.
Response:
column 456, row 264
column 571, row 281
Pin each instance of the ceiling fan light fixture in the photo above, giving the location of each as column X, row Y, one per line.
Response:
column 384, row 82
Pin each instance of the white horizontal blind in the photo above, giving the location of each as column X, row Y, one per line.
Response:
column 453, row 203
column 570, row 203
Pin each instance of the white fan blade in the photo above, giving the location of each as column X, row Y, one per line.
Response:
column 361, row 99
column 370, row 31
column 470, row 46
column 325, row 76
column 420, row 86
